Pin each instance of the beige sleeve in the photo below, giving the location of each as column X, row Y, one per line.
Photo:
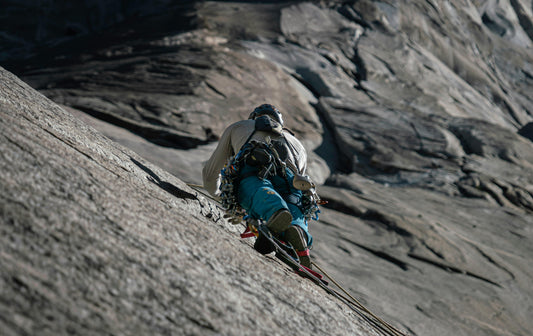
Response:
column 298, row 152
column 213, row 166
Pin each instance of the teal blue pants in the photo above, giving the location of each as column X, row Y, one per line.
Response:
column 263, row 198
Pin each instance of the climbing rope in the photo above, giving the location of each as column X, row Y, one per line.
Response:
column 355, row 302
column 201, row 190
column 381, row 325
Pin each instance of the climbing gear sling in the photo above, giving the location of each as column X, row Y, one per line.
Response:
column 269, row 158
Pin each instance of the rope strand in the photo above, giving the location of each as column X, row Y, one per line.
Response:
column 356, row 302
column 351, row 301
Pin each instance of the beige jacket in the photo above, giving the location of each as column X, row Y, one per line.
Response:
column 231, row 142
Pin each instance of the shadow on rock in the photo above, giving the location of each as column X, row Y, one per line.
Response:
column 166, row 186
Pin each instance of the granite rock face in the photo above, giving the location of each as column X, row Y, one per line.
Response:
column 95, row 240
column 417, row 116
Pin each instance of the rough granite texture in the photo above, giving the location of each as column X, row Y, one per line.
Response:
column 418, row 117
column 96, row 241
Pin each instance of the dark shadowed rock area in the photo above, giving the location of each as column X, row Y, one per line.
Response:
column 417, row 116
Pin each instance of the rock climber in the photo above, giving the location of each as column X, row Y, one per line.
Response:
column 270, row 183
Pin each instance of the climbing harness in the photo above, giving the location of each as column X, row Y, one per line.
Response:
column 254, row 153
column 269, row 159
column 264, row 157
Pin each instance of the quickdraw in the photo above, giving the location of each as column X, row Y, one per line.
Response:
column 229, row 187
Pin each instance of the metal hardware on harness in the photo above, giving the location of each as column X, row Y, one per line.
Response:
column 302, row 182
column 265, row 157
column 231, row 173
column 310, row 202
column 229, row 186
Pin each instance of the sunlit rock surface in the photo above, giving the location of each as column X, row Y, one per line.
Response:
column 95, row 240
column 417, row 116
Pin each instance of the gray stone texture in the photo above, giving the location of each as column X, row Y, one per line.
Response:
column 94, row 240
column 417, row 116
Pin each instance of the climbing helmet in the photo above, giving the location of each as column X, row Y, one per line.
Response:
column 267, row 109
